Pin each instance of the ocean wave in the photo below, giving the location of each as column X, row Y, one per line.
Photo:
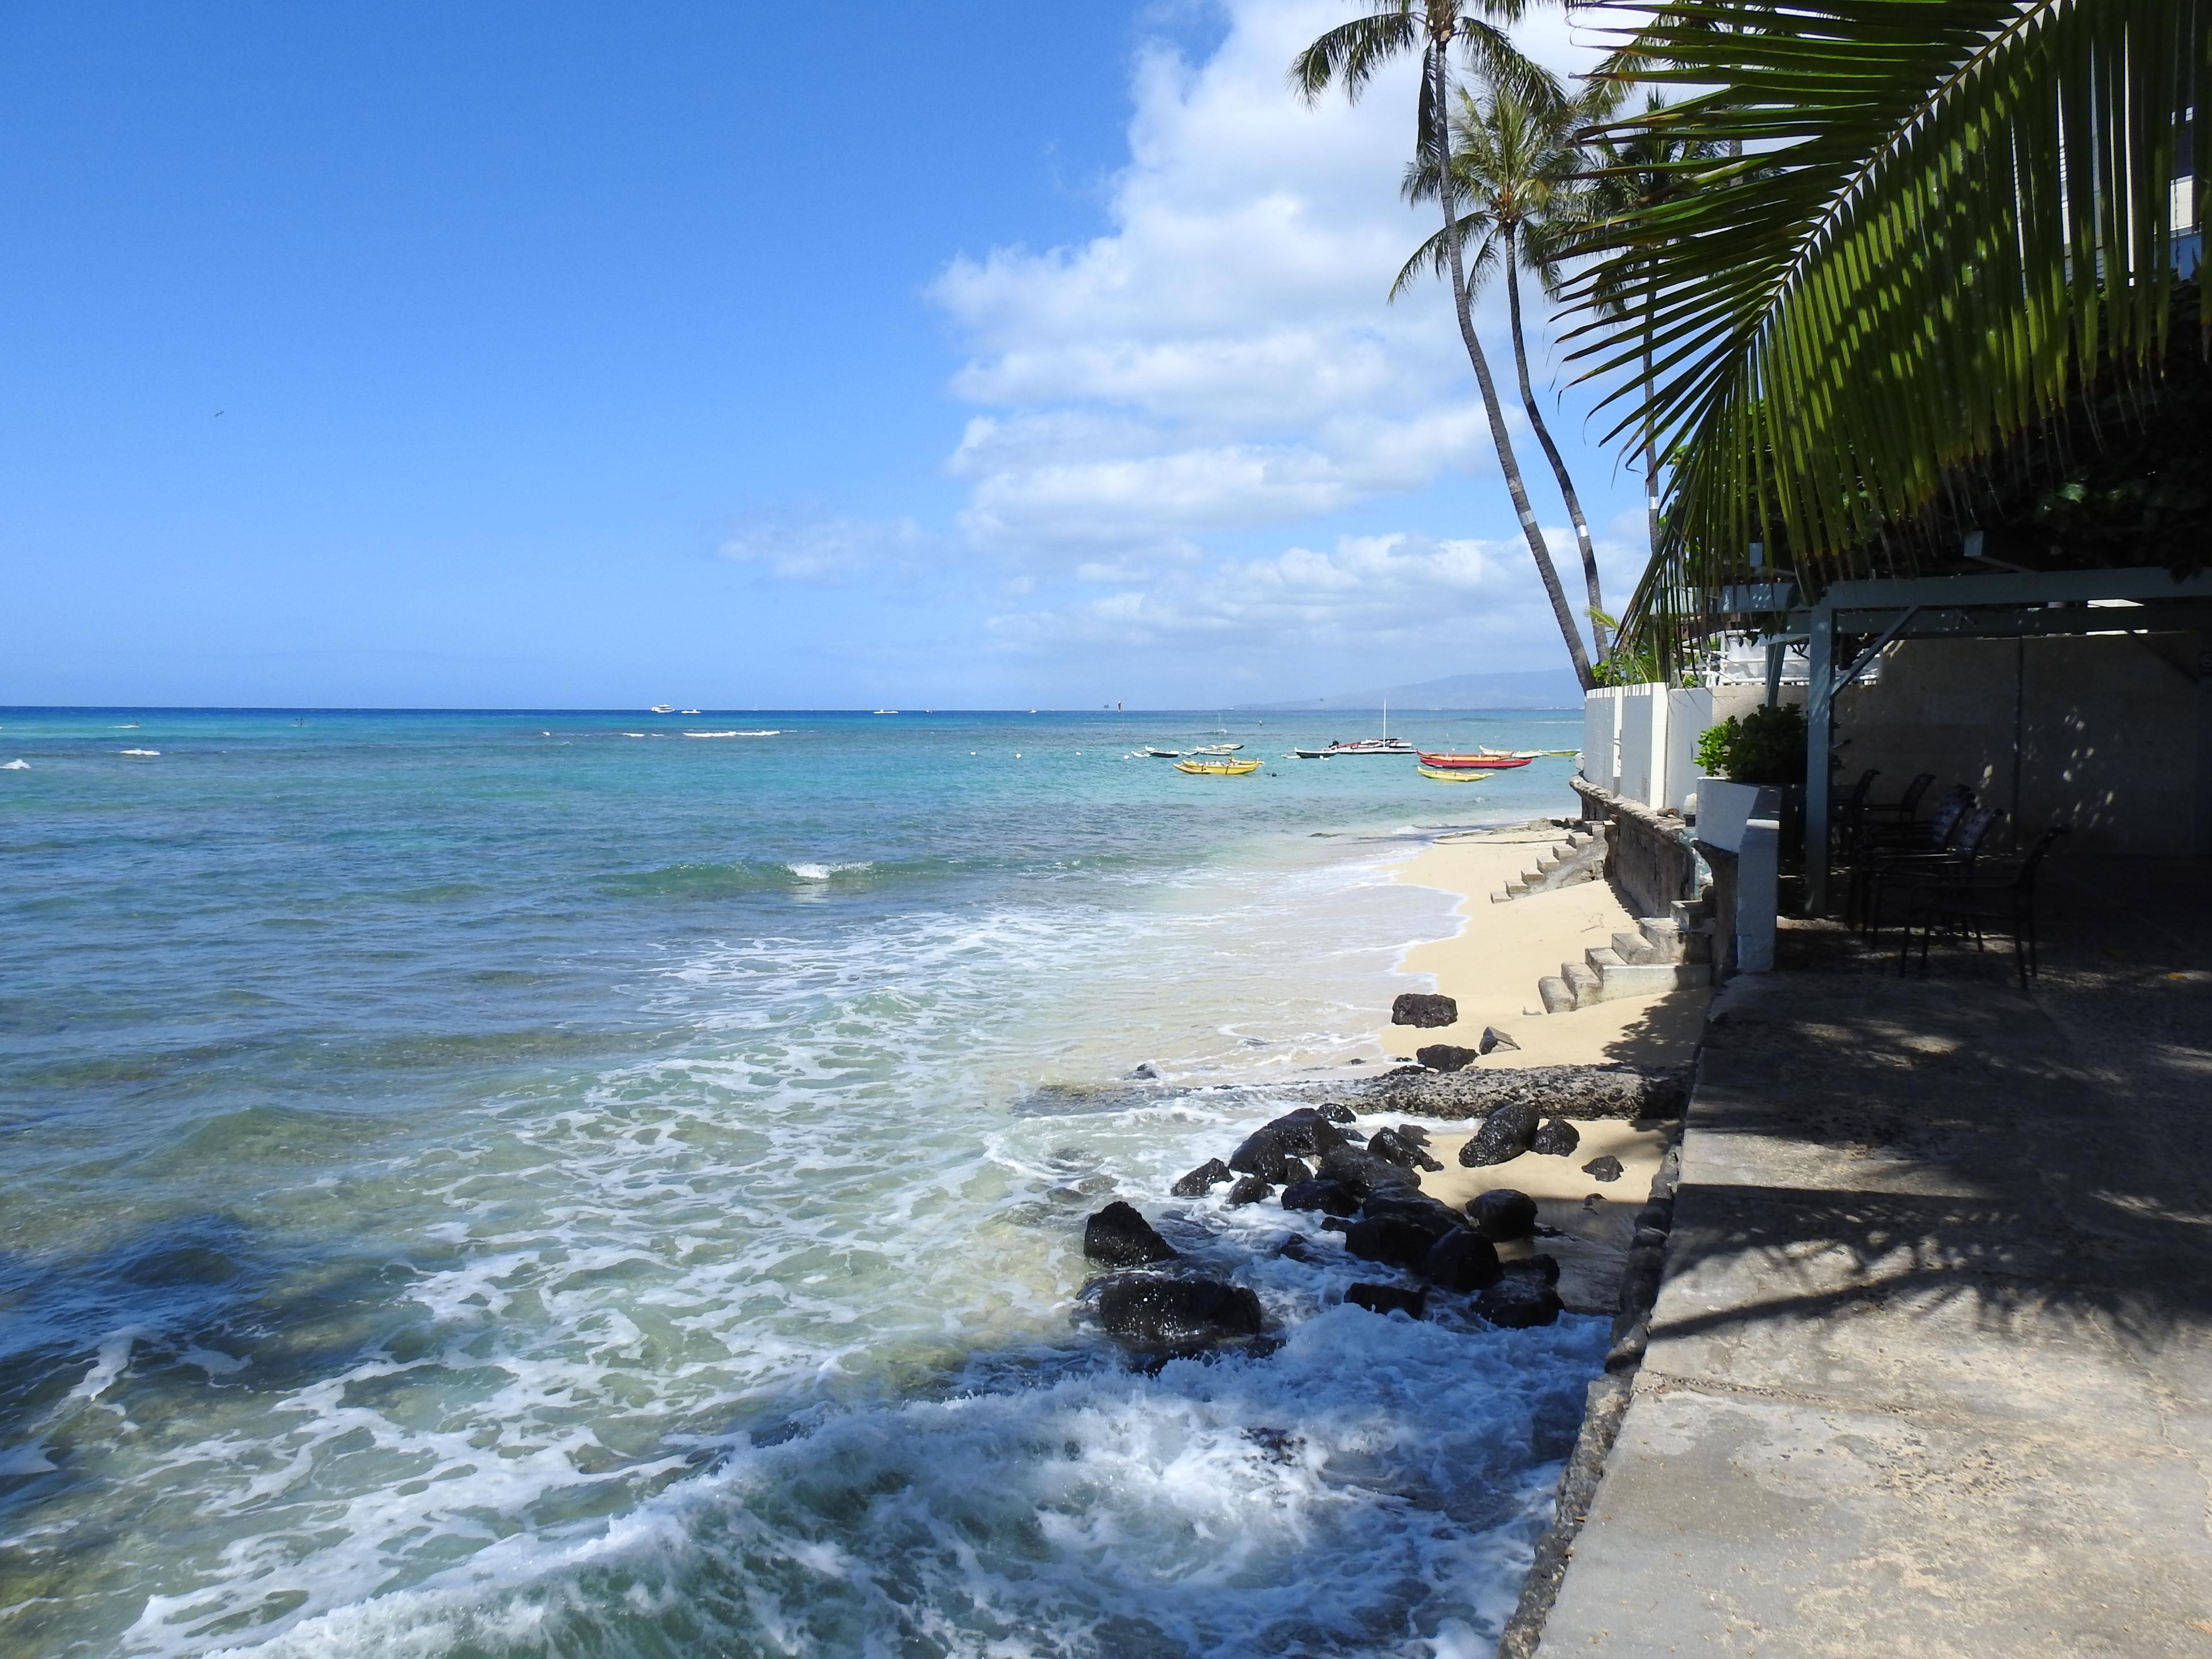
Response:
column 1108, row 1511
column 743, row 876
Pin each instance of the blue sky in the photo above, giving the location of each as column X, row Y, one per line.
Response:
column 557, row 354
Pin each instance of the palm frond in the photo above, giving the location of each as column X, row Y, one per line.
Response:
column 1349, row 54
column 1943, row 217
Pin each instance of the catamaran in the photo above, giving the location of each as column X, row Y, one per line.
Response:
column 1385, row 744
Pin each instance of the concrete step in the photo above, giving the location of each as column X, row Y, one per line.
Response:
column 1557, row 997
column 1635, row 979
column 1583, row 980
column 1545, row 865
column 1636, row 947
column 1691, row 914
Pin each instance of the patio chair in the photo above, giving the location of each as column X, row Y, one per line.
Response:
column 1844, row 835
column 1877, row 843
column 1904, row 872
column 1997, row 896
column 1901, row 810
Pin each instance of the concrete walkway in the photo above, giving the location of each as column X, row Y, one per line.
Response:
column 1930, row 1372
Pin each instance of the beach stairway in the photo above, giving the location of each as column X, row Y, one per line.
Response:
column 1671, row 952
column 1580, row 857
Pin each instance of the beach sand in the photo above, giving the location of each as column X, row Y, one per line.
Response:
column 1492, row 964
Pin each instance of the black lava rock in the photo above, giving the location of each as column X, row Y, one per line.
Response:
column 1142, row 1072
column 1493, row 1038
column 1388, row 1298
column 1518, row 1302
column 1446, row 1057
column 1152, row 1312
column 1431, row 1215
column 1270, row 1150
column 1202, row 1180
column 1461, row 1260
column 1503, row 1136
column 1299, row 1248
column 1250, row 1190
column 1419, row 1008
column 1363, row 1171
column 1398, row 1243
column 1557, row 1138
column 1603, row 1169
column 1330, row 1197
column 1336, row 1113
column 1538, row 1269
column 1503, row 1215
column 1392, row 1145
column 1336, row 1223
column 1120, row 1237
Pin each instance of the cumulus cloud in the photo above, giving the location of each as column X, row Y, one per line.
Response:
column 1223, row 356
column 1415, row 591
column 817, row 547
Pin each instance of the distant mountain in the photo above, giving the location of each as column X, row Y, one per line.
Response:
column 1545, row 688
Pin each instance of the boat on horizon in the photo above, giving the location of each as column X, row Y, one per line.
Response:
column 1218, row 768
column 662, row 708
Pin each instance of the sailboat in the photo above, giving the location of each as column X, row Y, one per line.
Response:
column 1385, row 744
column 1219, row 731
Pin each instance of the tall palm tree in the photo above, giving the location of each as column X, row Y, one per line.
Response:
column 1519, row 166
column 1349, row 54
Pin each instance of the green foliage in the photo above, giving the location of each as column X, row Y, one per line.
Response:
column 1767, row 746
column 1917, row 227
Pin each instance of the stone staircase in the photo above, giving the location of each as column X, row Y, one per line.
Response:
column 1666, row 953
column 1579, row 857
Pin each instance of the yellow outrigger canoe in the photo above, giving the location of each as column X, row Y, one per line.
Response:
column 1439, row 775
column 1218, row 768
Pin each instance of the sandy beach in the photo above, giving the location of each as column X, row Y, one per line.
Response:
column 1492, row 964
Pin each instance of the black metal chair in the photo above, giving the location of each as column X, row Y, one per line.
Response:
column 1997, row 896
column 1877, row 844
column 1903, row 808
column 1849, row 815
column 1895, row 873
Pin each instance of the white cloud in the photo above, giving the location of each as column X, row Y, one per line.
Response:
column 1420, row 591
column 817, row 547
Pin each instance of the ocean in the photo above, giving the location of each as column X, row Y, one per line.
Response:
column 546, row 1183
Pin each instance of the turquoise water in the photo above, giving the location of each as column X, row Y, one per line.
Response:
column 494, row 1184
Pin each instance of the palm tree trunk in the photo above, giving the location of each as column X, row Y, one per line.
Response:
column 1439, row 72
column 1552, row 449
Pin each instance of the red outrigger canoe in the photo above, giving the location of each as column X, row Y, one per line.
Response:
column 1481, row 761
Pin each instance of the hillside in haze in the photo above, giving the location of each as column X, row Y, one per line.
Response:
column 1547, row 688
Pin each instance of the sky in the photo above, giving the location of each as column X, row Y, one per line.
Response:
column 555, row 355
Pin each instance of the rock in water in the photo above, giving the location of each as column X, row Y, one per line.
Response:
column 1421, row 1008
column 1386, row 1299
column 1176, row 1313
column 1460, row 1260
column 1142, row 1072
column 1503, row 1136
column 1120, row 1237
column 1538, row 1269
column 1337, row 1113
column 1202, row 1180
column 1330, row 1197
column 1299, row 1248
column 1494, row 1038
column 1503, row 1215
column 1363, row 1171
column 1603, row 1169
column 1398, row 1243
column 1446, row 1057
column 1272, row 1151
column 1250, row 1190
column 1431, row 1215
column 1391, row 1143
column 1518, row 1302
column 1557, row 1138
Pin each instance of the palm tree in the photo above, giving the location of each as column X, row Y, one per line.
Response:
column 1518, row 165
column 1349, row 54
column 1949, row 217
